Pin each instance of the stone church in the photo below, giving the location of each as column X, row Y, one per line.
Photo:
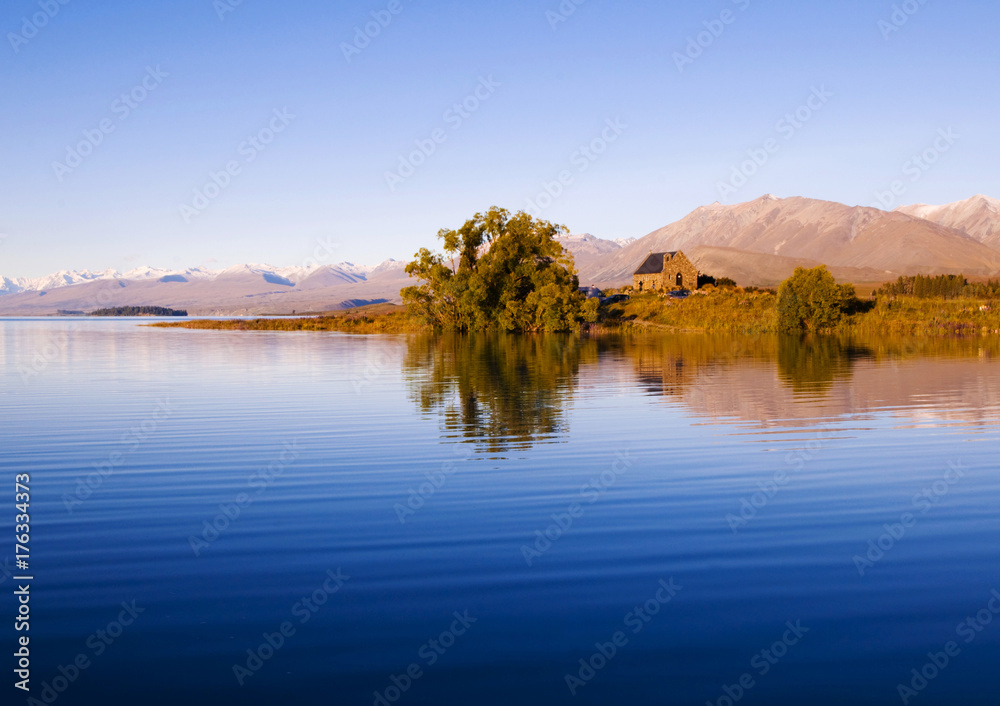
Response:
column 665, row 271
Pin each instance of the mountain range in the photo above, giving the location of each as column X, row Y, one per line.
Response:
column 345, row 271
column 240, row 290
column 755, row 243
column 978, row 217
column 762, row 241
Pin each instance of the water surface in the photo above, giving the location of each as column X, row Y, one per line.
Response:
column 487, row 512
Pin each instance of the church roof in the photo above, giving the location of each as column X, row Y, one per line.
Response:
column 654, row 263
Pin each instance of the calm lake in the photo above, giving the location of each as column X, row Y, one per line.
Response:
column 257, row 518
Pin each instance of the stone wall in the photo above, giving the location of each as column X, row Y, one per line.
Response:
column 680, row 265
column 647, row 283
column 667, row 280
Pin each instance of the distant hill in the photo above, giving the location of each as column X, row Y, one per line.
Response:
column 978, row 217
column 69, row 278
column 240, row 290
column 590, row 252
column 820, row 231
column 345, row 272
column 762, row 270
column 759, row 243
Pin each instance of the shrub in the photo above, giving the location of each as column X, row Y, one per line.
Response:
column 811, row 300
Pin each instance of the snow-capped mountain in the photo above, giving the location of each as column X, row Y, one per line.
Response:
column 247, row 289
column 147, row 273
column 585, row 247
column 762, row 241
column 589, row 251
column 345, row 271
column 389, row 268
column 64, row 278
column 68, row 278
column 585, row 242
column 978, row 216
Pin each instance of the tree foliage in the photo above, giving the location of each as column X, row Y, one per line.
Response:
column 499, row 273
column 942, row 286
column 811, row 300
column 139, row 311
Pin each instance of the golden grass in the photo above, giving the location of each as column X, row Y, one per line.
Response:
column 721, row 311
column 730, row 311
column 365, row 320
column 909, row 316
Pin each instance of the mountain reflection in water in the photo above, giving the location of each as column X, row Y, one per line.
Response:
column 505, row 393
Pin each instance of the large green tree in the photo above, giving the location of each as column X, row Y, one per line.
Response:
column 499, row 272
column 811, row 300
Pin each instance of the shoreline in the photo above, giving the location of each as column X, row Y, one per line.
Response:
column 717, row 312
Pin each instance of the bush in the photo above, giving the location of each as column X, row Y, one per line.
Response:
column 811, row 300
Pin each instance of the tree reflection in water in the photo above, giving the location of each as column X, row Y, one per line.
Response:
column 812, row 364
column 501, row 392
column 507, row 393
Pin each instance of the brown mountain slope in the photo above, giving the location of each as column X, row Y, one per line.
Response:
column 978, row 217
column 762, row 270
column 822, row 231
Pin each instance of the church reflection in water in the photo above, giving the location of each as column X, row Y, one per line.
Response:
column 506, row 393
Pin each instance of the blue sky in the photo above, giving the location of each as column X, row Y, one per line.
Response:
column 309, row 131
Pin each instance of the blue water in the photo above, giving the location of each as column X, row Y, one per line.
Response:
column 709, row 505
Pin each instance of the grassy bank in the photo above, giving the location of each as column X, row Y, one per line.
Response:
column 726, row 311
column 756, row 312
column 909, row 316
column 721, row 311
column 381, row 318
